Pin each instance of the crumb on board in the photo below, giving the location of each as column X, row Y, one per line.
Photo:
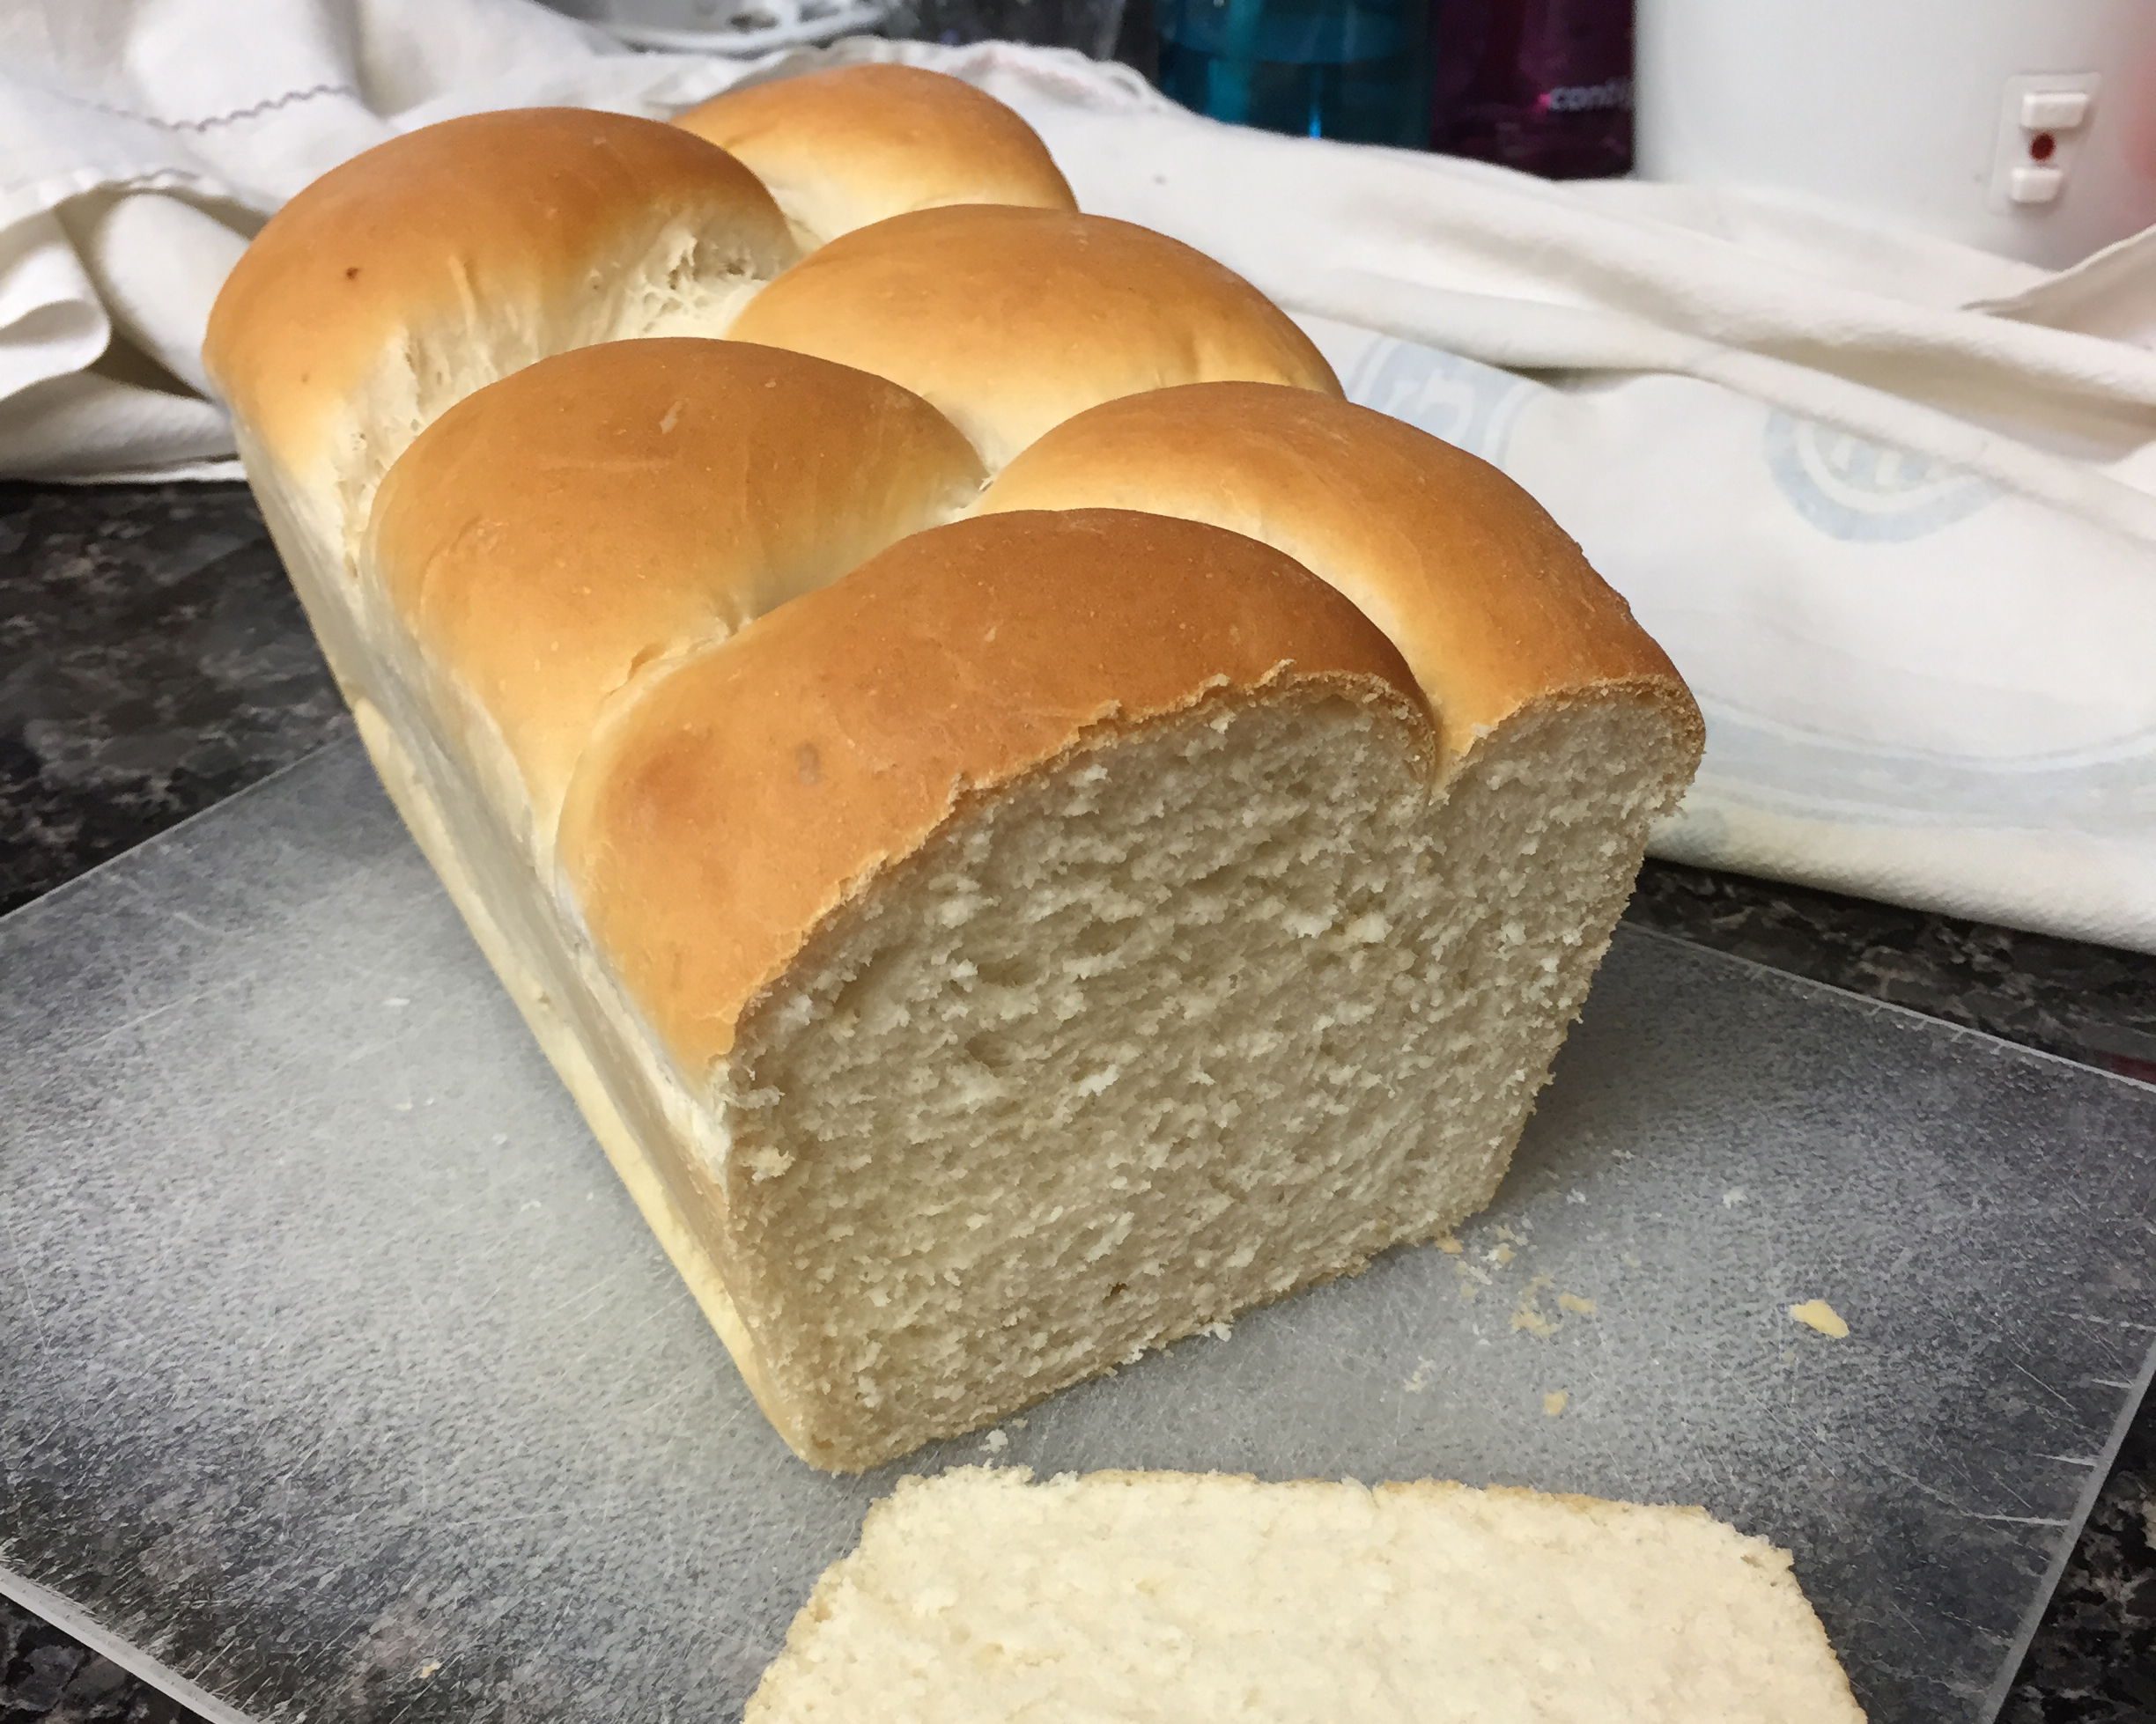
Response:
column 1818, row 1313
column 1555, row 1402
column 1574, row 1303
column 1220, row 1331
column 1528, row 1313
column 1450, row 1245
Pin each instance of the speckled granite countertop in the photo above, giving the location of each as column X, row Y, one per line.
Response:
column 152, row 661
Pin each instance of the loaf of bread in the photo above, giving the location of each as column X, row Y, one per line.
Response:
column 1141, row 1596
column 1027, row 824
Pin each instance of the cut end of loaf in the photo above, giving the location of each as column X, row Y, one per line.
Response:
column 1185, row 1023
column 1142, row 1597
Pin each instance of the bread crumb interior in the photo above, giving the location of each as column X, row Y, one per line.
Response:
column 1162, row 1596
column 1188, row 1022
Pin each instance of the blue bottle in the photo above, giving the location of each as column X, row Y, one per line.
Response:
column 1354, row 69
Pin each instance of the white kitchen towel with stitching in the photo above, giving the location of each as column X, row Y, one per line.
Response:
column 141, row 142
column 1887, row 500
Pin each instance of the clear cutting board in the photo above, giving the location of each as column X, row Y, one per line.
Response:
column 339, row 1378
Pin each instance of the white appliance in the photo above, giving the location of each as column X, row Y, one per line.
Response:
column 2026, row 127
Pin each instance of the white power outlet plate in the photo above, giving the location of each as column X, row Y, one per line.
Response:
column 2026, row 178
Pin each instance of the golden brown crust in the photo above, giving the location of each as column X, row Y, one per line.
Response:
column 532, row 214
column 609, row 508
column 1011, row 320
column 1488, row 600
column 843, row 148
column 756, row 788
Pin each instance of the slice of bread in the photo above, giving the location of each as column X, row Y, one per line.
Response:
column 1138, row 1596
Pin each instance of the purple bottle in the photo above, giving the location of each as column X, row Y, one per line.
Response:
column 1543, row 85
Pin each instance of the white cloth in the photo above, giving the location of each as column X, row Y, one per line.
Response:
column 1888, row 501
column 141, row 142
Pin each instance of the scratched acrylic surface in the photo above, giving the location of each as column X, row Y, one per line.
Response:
column 341, row 1376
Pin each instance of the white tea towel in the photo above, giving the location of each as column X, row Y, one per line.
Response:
column 1887, row 500
column 142, row 143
